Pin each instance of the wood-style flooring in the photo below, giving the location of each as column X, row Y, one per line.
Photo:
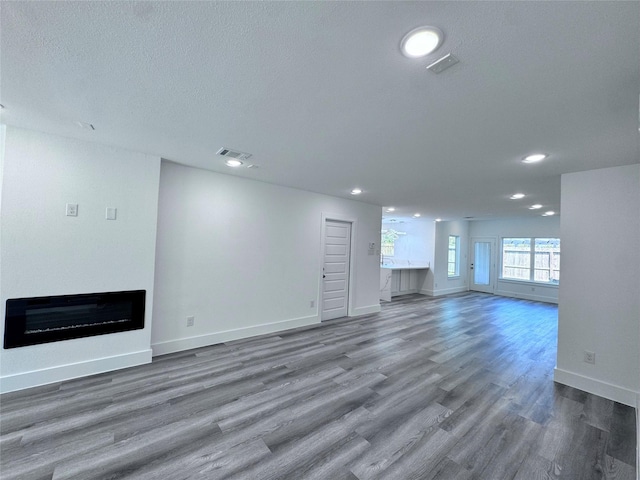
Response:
column 456, row 387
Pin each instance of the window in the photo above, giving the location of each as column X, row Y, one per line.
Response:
column 388, row 241
column 453, row 262
column 531, row 259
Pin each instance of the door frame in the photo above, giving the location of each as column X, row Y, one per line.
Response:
column 352, row 248
column 493, row 269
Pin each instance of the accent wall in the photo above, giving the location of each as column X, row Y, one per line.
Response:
column 43, row 252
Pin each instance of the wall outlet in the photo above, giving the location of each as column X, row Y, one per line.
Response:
column 312, row 303
column 72, row 209
column 190, row 320
column 589, row 357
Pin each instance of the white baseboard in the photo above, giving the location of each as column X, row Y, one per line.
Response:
column 365, row 310
column 443, row 291
column 181, row 344
column 638, row 435
column 597, row 387
column 35, row 378
column 526, row 296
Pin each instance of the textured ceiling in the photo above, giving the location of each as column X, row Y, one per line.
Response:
column 319, row 93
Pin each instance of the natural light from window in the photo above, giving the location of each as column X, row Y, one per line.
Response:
column 531, row 260
column 453, row 262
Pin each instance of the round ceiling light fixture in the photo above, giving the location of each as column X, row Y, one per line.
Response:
column 356, row 191
column 534, row 158
column 550, row 213
column 517, row 196
column 421, row 41
column 233, row 163
column 535, row 206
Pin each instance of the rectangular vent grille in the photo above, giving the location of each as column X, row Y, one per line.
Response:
column 225, row 152
column 443, row 63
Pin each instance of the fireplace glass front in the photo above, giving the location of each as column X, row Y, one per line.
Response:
column 31, row 321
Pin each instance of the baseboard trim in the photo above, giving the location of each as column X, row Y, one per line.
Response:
column 597, row 387
column 443, row 291
column 365, row 310
column 179, row 345
column 638, row 435
column 526, row 296
column 45, row 376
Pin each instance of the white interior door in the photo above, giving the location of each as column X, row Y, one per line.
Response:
column 335, row 272
column 482, row 265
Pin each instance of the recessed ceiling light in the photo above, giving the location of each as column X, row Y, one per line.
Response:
column 391, row 209
column 356, row 191
column 549, row 213
column 416, row 215
column 421, row 41
column 535, row 157
column 438, row 219
column 233, row 163
column 517, row 196
column 535, row 207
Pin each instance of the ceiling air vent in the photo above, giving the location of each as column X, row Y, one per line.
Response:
column 225, row 152
column 443, row 63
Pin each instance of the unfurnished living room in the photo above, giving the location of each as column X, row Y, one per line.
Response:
column 319, row 240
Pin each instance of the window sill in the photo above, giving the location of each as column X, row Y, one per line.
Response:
column 528, row 282
column 454, row 277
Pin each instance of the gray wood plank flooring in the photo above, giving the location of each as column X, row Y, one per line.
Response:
column 456, row 387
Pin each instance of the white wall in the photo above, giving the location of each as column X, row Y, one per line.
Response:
column 417, row 246
column 535, row 226
column 43, row 252
column 437, row 281
column 600, row 282
column 244, row 257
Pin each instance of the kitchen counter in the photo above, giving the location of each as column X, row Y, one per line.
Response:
column 404, row 267
column 401, row 279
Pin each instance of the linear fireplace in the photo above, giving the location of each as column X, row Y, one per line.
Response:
column 31, row 321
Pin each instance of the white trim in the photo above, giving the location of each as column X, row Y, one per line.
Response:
column 638, row 434
column 208, row 339
column 597, row 387
column 352, row 256
column 444, row 291
column 526, row 296
column 493, row 268
column 61, row 373
column 528, row 283
column 358, row 311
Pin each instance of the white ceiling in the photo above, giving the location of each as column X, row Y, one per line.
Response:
column 319, row 93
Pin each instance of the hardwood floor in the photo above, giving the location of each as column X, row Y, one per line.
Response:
column 456, row 387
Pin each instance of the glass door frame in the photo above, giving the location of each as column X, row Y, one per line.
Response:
column 491, row 288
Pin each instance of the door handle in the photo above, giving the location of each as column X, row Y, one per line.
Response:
column 323, row 275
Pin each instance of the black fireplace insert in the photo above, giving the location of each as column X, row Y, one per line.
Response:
column 31, row 321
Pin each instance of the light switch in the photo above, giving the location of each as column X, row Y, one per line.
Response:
column 72, row 209
column 111, row 213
